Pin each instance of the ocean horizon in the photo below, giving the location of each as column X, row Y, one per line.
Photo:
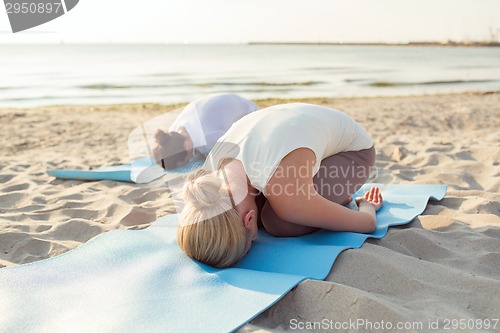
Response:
column 40, row 75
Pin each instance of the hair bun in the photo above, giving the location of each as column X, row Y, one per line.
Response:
column 161, row 136
column 202, row 189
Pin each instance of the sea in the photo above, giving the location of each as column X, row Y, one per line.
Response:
column 40, row 75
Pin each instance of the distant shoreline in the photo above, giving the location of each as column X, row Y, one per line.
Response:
column 262, row 102
column 447, row 43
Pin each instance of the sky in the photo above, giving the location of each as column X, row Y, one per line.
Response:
column 242, row 21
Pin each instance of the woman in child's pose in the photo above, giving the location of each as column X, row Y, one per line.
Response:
column 289, row 167
column 198, row 127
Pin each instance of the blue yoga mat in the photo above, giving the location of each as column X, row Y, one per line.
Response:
column 140, row 171
column 140, row 281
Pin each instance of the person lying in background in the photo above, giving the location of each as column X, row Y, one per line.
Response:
column 196, row 130
column 289, row 168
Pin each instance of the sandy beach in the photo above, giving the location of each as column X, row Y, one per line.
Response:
column 444, row 265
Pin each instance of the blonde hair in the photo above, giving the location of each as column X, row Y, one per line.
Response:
column 210, row 228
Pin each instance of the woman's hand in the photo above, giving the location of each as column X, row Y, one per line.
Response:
column 372, row 197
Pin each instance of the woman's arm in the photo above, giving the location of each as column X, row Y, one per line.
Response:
column 292, row 195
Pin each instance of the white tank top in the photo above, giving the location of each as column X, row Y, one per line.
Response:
column 208, row 118
column 262, row 139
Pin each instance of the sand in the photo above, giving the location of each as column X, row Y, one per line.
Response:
column 444, row 265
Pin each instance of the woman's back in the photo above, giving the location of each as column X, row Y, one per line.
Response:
column 209, row 117
column 262, row 139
